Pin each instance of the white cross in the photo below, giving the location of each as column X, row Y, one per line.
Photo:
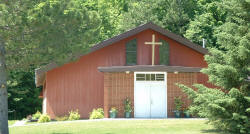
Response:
column 153, row 43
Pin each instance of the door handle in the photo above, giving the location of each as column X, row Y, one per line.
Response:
column 151, row 102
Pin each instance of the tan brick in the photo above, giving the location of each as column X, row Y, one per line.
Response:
column 118, row 86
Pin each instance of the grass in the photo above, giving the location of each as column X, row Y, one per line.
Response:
column 28, row 123
column 167, row 126
column 11, row 122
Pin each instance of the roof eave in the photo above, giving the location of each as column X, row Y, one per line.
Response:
column 40, row 73
column 147, row 68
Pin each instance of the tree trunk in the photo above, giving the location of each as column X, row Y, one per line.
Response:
column 3, row 92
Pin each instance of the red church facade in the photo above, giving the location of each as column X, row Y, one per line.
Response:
column 102, row 79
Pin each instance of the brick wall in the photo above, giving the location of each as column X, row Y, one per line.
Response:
column 173, row 91
column 117, row 86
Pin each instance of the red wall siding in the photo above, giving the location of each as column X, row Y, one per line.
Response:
column 79, row 85
column 181, row 55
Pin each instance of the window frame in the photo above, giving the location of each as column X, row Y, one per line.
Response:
column 134, row 53
column 164, row 42
column 157, row 79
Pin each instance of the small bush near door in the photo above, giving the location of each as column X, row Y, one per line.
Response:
column 74, row 115
column 97, row 114
column 36, row 116
column 44, row 118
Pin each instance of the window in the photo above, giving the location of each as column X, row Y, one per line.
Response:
column 140, row 77
column 131, row 55
column 150, row 77
column 164, row 53
column 159, row 77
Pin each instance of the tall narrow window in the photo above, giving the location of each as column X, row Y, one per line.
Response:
column 164, row 53
column 131, row 55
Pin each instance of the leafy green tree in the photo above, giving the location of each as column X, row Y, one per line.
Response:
column 139, row 12
column 22, row 94
column 175, row 15
column 208, row 17
column 37, row 33
column 110, row 12
column 228, row 107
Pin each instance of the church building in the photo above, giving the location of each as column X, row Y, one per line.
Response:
column 143, row 64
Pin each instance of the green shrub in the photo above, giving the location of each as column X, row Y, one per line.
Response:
column 227, row 111
column 97, row 114
column 127, row 105
column 62, row 118
column 37, row 115
column 178, row 103
column 74, row 115
column 44, row 118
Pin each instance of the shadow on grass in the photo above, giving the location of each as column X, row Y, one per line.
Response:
column 208, row 131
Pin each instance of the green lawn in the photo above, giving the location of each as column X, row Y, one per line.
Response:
column 120, row 127
column 11, row 122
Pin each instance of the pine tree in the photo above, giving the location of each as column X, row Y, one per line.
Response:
column 39, row 32
column 228, row 106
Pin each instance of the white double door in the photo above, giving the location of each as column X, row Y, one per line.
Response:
column 150, row 99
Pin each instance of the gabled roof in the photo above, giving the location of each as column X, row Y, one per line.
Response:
column 40, row 72
column 154, row 27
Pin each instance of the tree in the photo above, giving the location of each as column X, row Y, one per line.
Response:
column 228, row 107
column 22, row 94
column 208, row 17
column 175, row 15
column 3, row 92
column 22, row 90
column 110, row 12
column 139, row 12
column 38, row 32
